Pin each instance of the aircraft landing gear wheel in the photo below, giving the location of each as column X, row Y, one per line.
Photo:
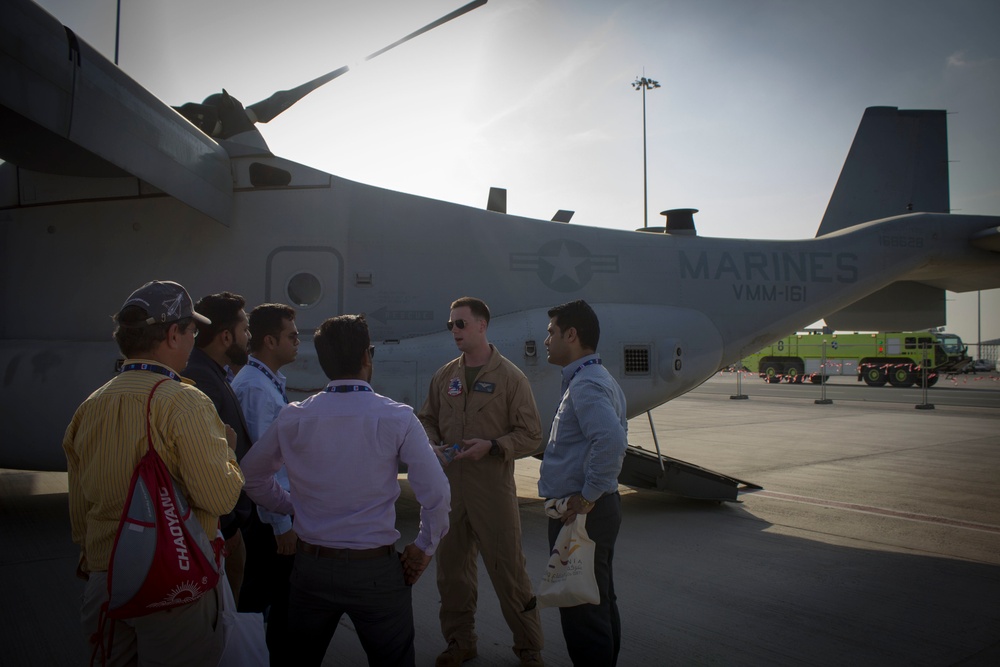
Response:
column 875, row 376
column 900, row 376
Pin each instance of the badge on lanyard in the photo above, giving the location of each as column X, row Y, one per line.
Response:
column 454, row 387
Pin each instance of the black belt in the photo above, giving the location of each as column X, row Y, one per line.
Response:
column 345, row 554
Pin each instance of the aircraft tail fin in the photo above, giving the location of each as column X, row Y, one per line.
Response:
column 897, row 164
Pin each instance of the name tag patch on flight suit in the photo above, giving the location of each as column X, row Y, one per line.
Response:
column 454, row 387
column 485, row 387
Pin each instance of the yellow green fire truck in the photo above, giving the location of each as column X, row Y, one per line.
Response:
column 877, row 358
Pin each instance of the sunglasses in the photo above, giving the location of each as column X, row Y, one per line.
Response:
column 457, row 323
column 371, row 351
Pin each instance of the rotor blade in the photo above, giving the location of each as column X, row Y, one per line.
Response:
column 430, row 26
column 266, row 110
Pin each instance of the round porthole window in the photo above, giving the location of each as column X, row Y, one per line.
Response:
column 304, row 290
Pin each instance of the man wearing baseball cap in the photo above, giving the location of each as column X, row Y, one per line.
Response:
column 155, row 331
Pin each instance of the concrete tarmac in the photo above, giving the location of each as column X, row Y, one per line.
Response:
column 875, row 541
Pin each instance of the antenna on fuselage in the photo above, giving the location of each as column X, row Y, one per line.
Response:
column 680, row 222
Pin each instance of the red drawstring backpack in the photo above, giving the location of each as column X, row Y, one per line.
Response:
column 161, row 557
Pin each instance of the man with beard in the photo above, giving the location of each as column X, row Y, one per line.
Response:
column 222, row 343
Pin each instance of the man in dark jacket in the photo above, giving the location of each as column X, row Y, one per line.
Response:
column 219, row 345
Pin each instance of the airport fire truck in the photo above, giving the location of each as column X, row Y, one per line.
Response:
column 898, row 359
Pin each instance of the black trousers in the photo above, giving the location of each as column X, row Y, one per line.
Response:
column 593, row 632
column 266, row 585
column 371, row 592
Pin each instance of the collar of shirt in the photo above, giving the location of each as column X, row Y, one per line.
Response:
column 331, row 388
column 202, row 356
column 276, row 377
column 157, row 363
column 570, row 371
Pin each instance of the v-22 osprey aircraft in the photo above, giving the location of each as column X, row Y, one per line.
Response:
column 105, row 187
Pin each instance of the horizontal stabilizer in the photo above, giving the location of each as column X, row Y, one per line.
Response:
column 85, row 117
column 902, row 306
column 897, row 164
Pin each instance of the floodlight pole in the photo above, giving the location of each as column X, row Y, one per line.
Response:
column 643, row 83
column 118, row 28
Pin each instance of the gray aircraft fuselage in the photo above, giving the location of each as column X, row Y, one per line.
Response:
column 106, row 187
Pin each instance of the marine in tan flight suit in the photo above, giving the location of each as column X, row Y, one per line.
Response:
column 484, row 403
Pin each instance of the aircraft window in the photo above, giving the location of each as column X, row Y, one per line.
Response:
column 304, row 289
column 636, row 360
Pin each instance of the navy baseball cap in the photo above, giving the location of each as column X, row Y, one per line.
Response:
column 164, row 301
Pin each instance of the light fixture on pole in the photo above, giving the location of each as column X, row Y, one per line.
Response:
column 642, row 84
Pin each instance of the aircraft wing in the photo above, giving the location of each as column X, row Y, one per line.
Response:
column 66, row 109
column 988, row 239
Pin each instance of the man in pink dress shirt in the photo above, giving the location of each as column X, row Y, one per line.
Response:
column 342, row 448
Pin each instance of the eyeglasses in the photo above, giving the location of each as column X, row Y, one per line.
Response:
column 456, row 323
column 371, row 351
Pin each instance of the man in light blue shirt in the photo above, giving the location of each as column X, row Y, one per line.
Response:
column 582, row 461
column 260, row 388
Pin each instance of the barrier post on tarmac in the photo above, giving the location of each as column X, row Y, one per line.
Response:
column 923, row 383
column 822, row 400
column 739, row 395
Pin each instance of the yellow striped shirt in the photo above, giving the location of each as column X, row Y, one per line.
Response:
column 107, row 437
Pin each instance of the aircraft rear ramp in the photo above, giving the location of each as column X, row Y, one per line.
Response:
column 648, row 470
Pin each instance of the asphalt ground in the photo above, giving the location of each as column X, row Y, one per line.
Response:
column 874, row 541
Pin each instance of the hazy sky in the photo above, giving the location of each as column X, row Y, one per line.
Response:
column 759, row 101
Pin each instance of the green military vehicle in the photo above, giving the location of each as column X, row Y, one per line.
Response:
column 896, row 358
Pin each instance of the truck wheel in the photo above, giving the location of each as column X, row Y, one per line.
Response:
column 900, row 376
column 772, row 371
column 793, row 374
column 875, row 376
column 932, row 379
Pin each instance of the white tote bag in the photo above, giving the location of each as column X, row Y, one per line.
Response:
column 569, row 576
column 243, row 634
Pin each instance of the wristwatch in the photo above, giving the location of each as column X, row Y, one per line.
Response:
column 495, row 448
column 584, row 502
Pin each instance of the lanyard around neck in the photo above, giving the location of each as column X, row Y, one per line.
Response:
column 589, row 362
column 154, row 368
column 347, row 388
column 270, row 376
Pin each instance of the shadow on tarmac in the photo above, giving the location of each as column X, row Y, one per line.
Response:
column 698, row 584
